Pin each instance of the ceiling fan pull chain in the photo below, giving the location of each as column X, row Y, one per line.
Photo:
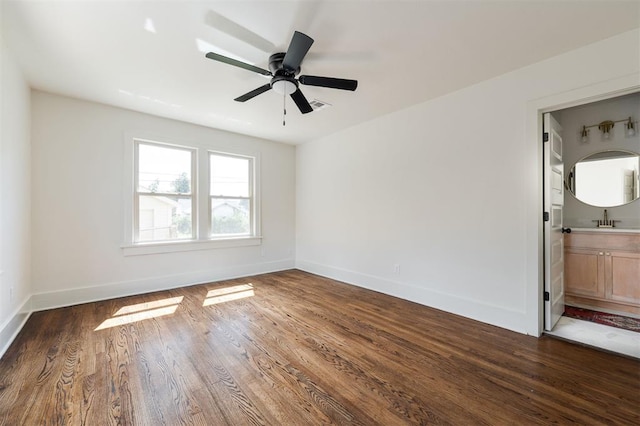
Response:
column 284, row 108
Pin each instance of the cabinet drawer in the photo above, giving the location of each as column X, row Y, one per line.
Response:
column 600, row 241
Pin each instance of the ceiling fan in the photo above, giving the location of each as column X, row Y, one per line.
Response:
column 283, row 68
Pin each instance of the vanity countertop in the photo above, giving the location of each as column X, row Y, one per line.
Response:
column 618, row 230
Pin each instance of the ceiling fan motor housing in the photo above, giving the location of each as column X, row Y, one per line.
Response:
column 276, row 68
column 283, row 80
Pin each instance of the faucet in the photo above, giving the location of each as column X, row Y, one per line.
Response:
column 605, row 222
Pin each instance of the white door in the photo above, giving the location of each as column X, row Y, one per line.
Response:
column 553, row 230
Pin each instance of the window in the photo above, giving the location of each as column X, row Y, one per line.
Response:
column 231, row 194
column 189, row 197
column 164, row 198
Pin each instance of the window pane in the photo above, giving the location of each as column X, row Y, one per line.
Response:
column 164, row 169
column 230, row 216
column 164, row 218
column 229, row 176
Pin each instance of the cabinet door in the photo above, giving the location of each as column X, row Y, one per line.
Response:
column 584, row 272
column 622, row 275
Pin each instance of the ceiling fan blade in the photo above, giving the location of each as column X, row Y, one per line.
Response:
column 330, row 82
column 299, row 46
column 301, row 102
column 237, row 63
column 253, row 93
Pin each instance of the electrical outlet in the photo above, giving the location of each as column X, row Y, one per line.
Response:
column 396, row 268
column 11, row 294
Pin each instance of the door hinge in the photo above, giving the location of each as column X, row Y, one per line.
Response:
column 546, row 296
column 545, row 137
column 545, row 216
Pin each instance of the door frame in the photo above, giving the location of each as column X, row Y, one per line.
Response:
column 534, row 315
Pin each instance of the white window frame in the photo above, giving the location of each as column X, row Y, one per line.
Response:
column 251, row 197
column 200, row 192
column 137, row 194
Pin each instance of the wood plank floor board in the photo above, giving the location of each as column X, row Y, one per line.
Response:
column 317, row 356
column 377, row 361
column 250, row 356
column 292, row 348
column 173, row 363
column 225, row 342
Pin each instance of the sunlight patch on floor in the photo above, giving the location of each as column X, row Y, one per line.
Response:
column 149, row 305
column 137, row 316
column 159, row 308
column 227, row 294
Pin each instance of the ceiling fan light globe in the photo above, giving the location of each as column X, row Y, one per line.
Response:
column 284, row 87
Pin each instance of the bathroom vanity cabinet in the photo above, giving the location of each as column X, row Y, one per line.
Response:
column 602, row 270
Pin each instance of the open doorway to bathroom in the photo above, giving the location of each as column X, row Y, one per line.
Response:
column 600, row 224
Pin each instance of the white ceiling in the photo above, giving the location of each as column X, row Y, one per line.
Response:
column 401, row 52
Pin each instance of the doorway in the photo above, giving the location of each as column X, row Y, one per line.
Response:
column 580, row 139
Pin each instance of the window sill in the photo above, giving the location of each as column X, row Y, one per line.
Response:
column 178, row 246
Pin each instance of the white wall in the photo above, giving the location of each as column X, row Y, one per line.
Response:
column 576, row 213
column 15, row 192
column 448, row 190
column 79, row 205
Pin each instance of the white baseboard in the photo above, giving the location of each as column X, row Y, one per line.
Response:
column 10, row 329
column 75, row 296
column 490, row 314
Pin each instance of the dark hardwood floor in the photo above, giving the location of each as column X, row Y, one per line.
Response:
column 291, row 348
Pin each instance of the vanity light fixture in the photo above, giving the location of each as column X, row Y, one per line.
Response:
column 606, row 126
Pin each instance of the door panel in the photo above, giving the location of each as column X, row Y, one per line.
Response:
column 553, row 236
column 623, row 272
column 584, row 272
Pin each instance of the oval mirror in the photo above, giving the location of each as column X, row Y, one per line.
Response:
column 606, row 178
